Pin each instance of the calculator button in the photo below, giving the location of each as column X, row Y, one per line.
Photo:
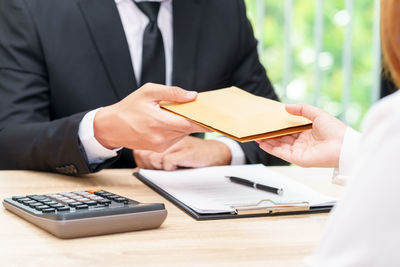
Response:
column 74, row 204
column 36, row 197
column 80, row 207
column 91, row 203
column 51, row 196
column 56, row 196
column 42, row 207
column 48, row 210
column 105, row 202
column 27, row 202
column 71, row 196
column 67, row 194
column 20, row 200
column 46, row 200
column 51, row 203
column 56, row 205
column 63, row 208
column 96, row 198
column 99, row 193
column 63, row 198
column 68, row 201
column 120, row 199
column 100, row 206
column 82, row 199
column 33, row 205
column 79, row 192
column 16, row 198
column 93, row 191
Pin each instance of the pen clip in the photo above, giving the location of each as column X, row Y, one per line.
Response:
column 276, row 207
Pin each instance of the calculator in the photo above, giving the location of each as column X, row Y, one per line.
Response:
column 86, row 213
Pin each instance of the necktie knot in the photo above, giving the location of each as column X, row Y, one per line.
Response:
column 150, row 9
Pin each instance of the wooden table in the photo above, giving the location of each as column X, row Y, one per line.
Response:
column 181, row 240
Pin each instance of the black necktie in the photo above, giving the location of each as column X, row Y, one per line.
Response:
column 153, row 57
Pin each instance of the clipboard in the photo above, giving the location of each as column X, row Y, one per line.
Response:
column 241, row 211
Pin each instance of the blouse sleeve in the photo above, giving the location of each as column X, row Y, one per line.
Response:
column 348, row 152
column 363, row 228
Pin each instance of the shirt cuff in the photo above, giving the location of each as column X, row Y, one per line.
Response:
column 339, row 179
column 95, row 152
column 238, row 156
column 348, row 152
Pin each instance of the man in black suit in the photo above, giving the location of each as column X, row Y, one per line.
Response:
column 62, row 60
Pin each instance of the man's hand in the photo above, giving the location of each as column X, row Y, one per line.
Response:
column 138, row 122
column 318, row 147
column 189, row 152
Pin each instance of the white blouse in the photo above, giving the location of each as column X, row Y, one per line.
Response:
column 364, row 227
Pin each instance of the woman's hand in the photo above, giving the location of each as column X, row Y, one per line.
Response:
column 318, row 147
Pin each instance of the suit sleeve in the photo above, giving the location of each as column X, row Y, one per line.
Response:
column 250, row 75
column 29, row 138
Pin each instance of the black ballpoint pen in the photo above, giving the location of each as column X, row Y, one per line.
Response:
column 237, row 180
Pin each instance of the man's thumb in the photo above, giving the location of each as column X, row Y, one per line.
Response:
column 171, row 94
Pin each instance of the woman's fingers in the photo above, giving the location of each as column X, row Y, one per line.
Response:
column 277, row 148
column 305, row 110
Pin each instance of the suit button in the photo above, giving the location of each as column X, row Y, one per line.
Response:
column 67, row 169
column 60, row 169
column 71, row 169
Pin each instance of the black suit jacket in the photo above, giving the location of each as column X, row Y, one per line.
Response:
column 60, row 59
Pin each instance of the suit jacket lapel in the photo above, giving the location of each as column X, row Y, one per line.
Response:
column 186, row 24
column 105, row 26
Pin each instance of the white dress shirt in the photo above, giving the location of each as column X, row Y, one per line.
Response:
column 364, row 228
column 134, row 23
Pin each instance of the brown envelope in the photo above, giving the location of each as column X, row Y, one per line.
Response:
column 239, row 115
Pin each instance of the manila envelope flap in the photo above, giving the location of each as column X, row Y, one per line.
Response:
column 239, row 114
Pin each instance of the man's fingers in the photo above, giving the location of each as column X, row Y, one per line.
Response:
column 141, row 159
column 172, row 161
column 196, row 128
column 305, row 110
column 156, row 160
column 180, row 124
column 168, row 93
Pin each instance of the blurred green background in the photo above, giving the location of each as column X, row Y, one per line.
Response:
column 269, row 30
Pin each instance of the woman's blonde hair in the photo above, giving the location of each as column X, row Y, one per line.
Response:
column 390, row 38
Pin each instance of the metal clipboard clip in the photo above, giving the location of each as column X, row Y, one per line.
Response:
column 276, row 207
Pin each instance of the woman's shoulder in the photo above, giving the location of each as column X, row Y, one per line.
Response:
column 386, row 112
